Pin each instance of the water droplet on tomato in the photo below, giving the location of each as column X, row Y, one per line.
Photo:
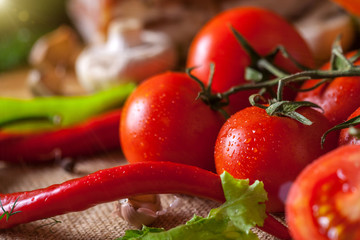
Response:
column 340, row 174
column 345, row 187
column 324, row 222
column 333, row 233
column 247, row 140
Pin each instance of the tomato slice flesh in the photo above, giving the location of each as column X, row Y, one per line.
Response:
column 336, row 207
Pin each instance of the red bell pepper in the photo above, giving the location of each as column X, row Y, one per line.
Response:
column 98, row 134
column 117, row 183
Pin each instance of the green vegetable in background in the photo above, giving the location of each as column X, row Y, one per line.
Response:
column 15, row 47
column 45, row 113
column 22, row 22
column 244, row 208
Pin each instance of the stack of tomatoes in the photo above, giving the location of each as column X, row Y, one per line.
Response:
column 180, row 117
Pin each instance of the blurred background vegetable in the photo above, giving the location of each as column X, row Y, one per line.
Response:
column 19, row 115
column 353, row 6
column 21, row 23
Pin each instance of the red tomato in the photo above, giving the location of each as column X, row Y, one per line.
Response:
column 264, row 30
column 338, row 98
column 345, row 137
column 254, row 145
column 323, row 202
column 163, row 120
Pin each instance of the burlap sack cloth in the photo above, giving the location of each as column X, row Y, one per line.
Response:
column 97, row 222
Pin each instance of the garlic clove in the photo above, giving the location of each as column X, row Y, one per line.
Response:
column 98, row 70
column 149, row 201
column 322, row 27
column 53, row 58
column 139, row 210
column 130, row 31
column 135, row 217
column 35, row 81
column 131, row 54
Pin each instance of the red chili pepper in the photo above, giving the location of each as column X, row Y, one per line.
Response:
column 117, row 183
column 96, row 135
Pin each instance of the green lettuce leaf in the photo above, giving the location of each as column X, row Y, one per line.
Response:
column 244, row 209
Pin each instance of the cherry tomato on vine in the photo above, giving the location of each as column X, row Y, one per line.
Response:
column 264, row 30
column 338, row 98
column 323, row 202
column 163, row 120
column 273, row 149
column 345, row 136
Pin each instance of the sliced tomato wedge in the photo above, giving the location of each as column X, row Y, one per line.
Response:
column 324, row 201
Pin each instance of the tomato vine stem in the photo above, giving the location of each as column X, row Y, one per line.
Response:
column 215, row 101
column 261, row 68
column 340, row 67
column 347, row 124
column 325, row 75
column 313, row 74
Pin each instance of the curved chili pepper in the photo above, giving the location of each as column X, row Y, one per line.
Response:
column 98, row 134
column 64, row 111
column 113, row 184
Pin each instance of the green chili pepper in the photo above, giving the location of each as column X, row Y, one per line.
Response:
column 45, row 113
